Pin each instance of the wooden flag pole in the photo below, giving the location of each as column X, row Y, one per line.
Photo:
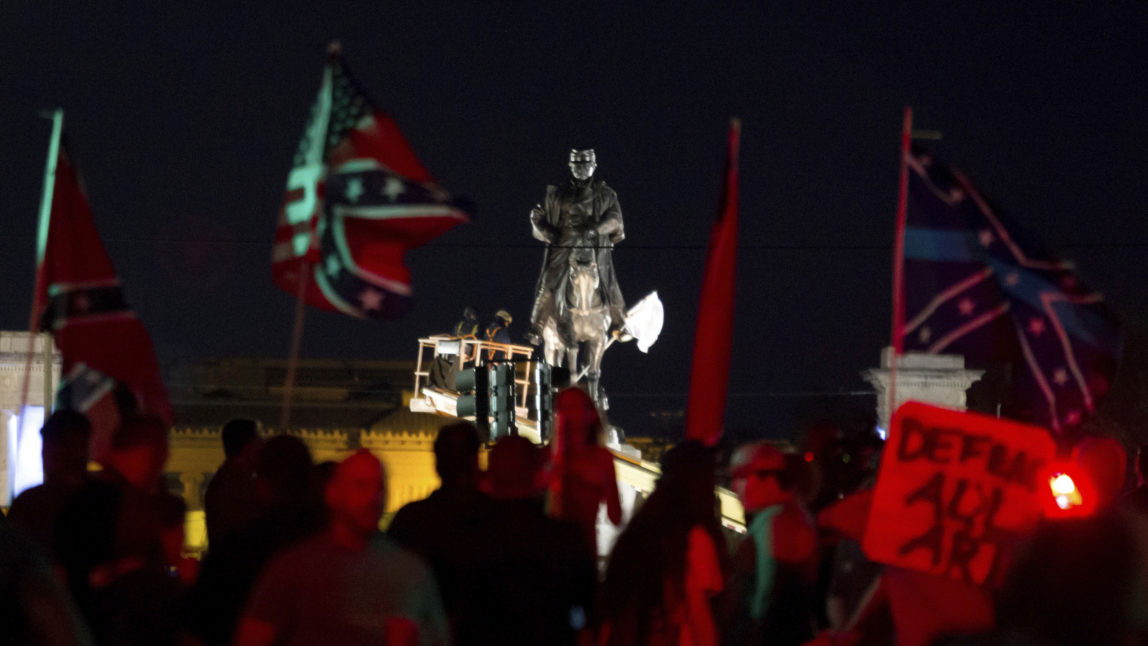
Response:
column 296, row 341
column 306, row 264
column 898, row 328
column 42, row 225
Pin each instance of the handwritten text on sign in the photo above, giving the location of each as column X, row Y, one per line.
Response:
column 954, row 490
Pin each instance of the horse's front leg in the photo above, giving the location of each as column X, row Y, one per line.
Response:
column 595, row 350
column 555, row 351
column 572, row 362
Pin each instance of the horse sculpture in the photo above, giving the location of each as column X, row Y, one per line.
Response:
column 578, row 337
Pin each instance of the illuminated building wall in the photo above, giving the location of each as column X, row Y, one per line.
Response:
column 403, row 441
column 337, row 407
column 20, row 456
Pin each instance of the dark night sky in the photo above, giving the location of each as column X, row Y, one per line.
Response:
column 183, row 118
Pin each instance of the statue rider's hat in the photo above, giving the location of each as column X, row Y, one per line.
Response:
column 583, row 156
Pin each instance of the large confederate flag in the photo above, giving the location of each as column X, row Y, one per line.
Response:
column 976, row 285
column 109, row 365
column 357, row 199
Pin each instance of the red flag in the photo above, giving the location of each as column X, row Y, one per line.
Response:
column 709, row 377
column 109, row 363
column 357, row 199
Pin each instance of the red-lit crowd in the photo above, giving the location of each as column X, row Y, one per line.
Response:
column 508, row 554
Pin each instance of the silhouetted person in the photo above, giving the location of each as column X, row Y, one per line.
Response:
column 537, row 573
column 583, row 477
column 442, row 528
column 111, row 515
column 109, row 541
column 347, row 585
column 229, row 503
column 775, row 565
column 1137, row 499
column 1077, row 582
column 468, row 328
column 665, row 568
column 34, row 607
column 284, row 495
column 64, row 453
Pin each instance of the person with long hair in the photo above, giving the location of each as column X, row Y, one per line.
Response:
column 665, row 568
column 583, row 471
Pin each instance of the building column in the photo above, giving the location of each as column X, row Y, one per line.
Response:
column 7, row 456
column 938, row 379
column 13, row 359
column 192, row 481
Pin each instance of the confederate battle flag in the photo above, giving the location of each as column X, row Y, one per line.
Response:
column 974, row 285
column 109, row 365
column 357, row 199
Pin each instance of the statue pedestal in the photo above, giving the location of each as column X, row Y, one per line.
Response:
column 13, row 358
column 939, row 379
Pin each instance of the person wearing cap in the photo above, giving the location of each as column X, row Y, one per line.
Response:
column 445, row 367
column 498, row 331
column 776, row 564
column 467, row 326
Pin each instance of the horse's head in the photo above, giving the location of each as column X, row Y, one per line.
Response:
column 584, row 265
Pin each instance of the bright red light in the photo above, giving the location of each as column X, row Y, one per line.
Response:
column 1062, row 484
column 1065, row 498
column 809, row 456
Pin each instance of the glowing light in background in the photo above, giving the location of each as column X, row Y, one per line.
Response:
column 29, row 468
column 882, row 433
column 1062, row 484
column 1064, row 491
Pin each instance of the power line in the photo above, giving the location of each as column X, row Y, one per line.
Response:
column 626, row 247
column 753, row 395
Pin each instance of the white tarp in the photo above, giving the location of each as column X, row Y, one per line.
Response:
column 644, row 321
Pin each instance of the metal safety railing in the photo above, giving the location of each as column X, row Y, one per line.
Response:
column 474, row 353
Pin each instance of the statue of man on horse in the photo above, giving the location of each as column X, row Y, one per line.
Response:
column 577, row 292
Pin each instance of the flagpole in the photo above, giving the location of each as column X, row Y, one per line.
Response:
column 306, row 262
column 296, row 341
column 42, row 225
column 898, row 327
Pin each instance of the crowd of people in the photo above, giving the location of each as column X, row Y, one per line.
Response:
column 509, row 554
